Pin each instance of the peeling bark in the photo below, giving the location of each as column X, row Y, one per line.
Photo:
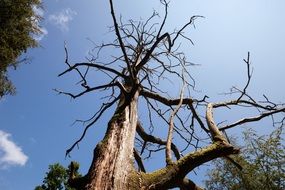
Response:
column 113, row 157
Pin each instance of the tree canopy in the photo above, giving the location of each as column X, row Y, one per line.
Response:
column 57, row 177
column 19, row 22
column 262, row 162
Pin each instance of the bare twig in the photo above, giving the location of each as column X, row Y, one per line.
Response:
column 150, row 51
column 191, row 21
column 165, row 17
column 252, row 119
column 78, row 71
column 103, row 108
column 75, row 66
column 74, row 96
column 249, row 74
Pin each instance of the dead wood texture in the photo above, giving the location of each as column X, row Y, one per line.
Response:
column 146, row 55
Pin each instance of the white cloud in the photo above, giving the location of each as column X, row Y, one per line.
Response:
column 10, row 153
column 36, row 21
column 62, row 19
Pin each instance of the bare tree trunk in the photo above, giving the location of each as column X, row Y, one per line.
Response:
column 113, row 157
column 150, row 55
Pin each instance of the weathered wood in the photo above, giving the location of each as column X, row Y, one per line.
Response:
column 113, row 157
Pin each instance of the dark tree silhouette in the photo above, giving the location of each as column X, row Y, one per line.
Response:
column 146, row 55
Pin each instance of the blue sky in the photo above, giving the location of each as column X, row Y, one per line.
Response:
column 35, row 125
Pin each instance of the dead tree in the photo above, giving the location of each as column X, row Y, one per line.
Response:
column 146, row 55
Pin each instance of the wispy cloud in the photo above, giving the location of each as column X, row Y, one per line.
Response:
column 10, row 153
column 3, row 99
column 40, row 36
column 62, row 19
column 39, row 12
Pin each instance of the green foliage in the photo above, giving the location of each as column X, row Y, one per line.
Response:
column 18, row 22
column 263, row 163
column 57, row 177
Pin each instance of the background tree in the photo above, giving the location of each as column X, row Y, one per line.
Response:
column 57, row 177
column 19, row 23
column 144, row 57
column 262, row 160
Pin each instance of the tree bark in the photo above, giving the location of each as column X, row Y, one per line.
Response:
column 113, row 160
